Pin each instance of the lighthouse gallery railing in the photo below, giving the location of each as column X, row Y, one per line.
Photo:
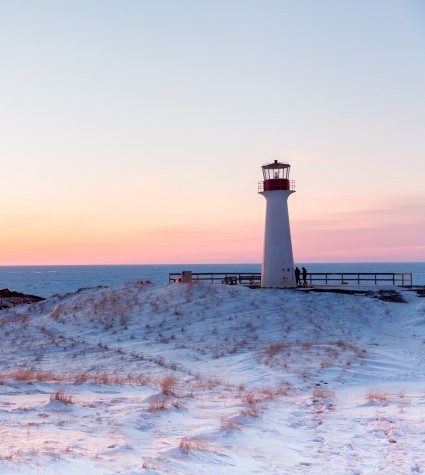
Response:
column 290, row 185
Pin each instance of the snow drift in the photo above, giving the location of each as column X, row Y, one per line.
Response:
column 186, row 379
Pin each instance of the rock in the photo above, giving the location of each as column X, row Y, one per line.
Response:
column 9, row 298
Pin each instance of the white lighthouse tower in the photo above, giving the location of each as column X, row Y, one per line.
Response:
column 278, row 261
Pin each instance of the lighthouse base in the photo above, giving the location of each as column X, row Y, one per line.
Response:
column 286, row 279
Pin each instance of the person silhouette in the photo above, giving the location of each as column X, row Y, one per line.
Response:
column 297, row 276
column 304, row 276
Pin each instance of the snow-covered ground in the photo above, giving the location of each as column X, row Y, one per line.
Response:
column 212, row 379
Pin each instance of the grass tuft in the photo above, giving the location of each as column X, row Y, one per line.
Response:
column 375, row 396
column 193, row 443
column 61, row 396
column 167, row 383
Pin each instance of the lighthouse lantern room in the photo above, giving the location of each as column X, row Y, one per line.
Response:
column 278, row 261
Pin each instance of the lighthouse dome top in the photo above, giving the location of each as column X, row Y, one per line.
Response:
column 276, row 165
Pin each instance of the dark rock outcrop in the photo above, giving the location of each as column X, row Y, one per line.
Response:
column 9, row 298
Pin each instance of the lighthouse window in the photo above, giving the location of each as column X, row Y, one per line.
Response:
column 276, row 171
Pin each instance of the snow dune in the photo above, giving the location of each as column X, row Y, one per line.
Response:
column 212, row 379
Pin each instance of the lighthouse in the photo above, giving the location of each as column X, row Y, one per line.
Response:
column 278, row 260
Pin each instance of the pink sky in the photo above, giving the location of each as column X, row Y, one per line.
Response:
column 391, row 231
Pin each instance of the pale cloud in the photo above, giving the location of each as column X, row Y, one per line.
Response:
column 389, row 229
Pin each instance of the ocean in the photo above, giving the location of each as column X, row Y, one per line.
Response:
column 49, row 280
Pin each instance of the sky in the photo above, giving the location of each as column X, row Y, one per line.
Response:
column 133, row 132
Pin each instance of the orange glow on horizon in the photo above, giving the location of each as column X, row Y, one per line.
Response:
column 368, row 234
